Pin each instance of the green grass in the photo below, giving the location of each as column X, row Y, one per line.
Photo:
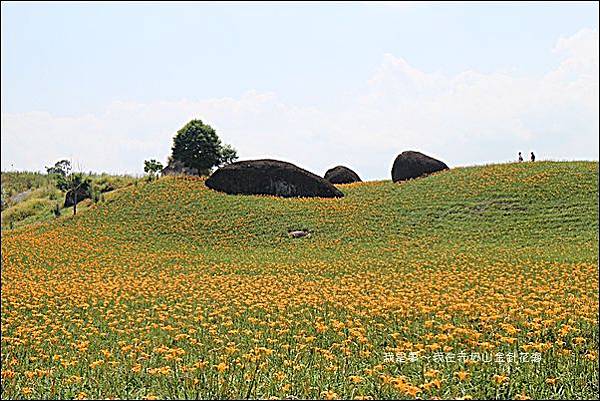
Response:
column 29, row 197
column 148, row 293
column 15, row 182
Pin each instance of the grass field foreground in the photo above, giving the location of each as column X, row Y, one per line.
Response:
column 171, row 290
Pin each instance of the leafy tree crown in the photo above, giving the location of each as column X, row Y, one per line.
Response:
column 198, row 146
column 152, row 166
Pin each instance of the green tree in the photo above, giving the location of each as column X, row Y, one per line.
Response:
column 198, row 146
column 152, row 167
column 74, row 184
column 60, row 168
column 228, row 155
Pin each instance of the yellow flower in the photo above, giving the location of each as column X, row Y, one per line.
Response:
column 551, row 380
column 222, row 367
column 329, row 395
column 356, row 379
column 165, row 370
column 386, row 379
column 499, row 379
column 8, row 374
column 437, row 383
column 412, row 390
column 462, row 375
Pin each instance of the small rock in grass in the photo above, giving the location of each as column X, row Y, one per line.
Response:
column 299, row 234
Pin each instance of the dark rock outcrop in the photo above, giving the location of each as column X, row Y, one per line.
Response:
column 412, row 164
column 270, row 177
column 341, row 175
column 176, row 167
column 82, row 193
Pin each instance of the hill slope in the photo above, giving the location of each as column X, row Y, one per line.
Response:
column 29, row 197
column 209, row 288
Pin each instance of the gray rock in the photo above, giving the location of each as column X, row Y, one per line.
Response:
column 176, row 167
column 299, row 234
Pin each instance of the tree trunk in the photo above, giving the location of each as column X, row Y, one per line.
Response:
column 74, row 203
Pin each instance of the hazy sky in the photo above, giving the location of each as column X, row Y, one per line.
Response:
column 108, row 85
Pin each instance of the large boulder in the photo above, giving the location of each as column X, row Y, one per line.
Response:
column 177, row 167
column 270, row 177
column 412, row 164
column 82, row 193
column 341, row 175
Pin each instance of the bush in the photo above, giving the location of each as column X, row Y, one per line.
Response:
column 56, row 210
column 152, row 168
column 96, row 194
column 26, row 209
column 107, row 183
column 15, row 182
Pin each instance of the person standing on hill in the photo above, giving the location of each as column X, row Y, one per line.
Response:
column 520, row 157
column 532, row 157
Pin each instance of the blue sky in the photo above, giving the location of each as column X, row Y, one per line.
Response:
column 315, row 84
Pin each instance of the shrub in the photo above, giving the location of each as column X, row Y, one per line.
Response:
column 26, row 209
column 152, row 167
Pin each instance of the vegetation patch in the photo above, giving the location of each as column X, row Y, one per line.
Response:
column 474, row 282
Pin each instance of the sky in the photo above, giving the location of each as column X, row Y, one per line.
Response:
column 107, row 85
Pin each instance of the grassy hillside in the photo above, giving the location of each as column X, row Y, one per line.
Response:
column 29, row 197
column 169, row 289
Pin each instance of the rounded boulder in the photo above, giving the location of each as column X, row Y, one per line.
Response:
column 270, row 177
column 411, row 164
column 76, row 196
column 341, row 175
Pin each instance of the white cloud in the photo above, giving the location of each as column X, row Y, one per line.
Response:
column 580, row 55
column 463, row 119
